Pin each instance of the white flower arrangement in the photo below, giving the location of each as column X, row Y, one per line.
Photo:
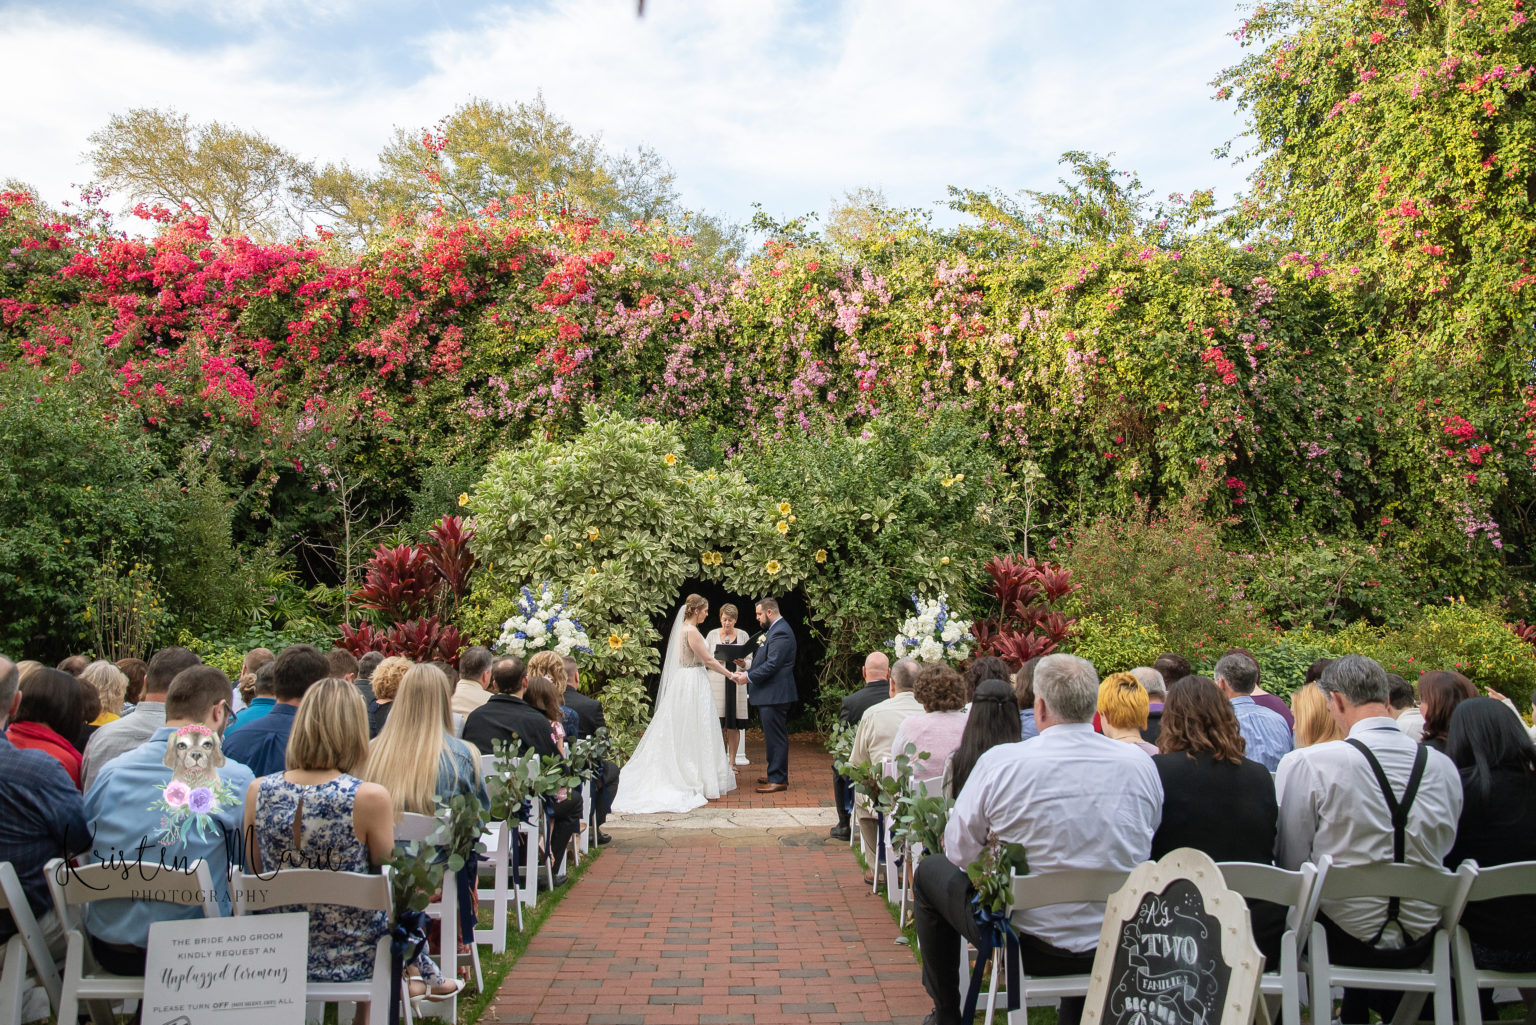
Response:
column 542, row 624
column 933, row 635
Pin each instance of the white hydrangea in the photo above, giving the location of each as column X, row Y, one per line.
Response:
column 933, row 634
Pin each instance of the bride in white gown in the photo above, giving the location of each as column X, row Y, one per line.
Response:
column 681, row 762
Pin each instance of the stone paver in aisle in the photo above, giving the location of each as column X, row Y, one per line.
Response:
column 747, row 926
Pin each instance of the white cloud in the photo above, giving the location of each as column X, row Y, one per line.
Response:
column 784, row 102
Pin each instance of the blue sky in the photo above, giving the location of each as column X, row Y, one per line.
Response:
column 779, row 102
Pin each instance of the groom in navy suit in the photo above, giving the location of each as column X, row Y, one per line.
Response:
column 771, row 687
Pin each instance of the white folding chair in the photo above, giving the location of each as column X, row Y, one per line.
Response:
column 1445, row 890
column 423, row 828
column 912, row 853
column 26, row 947
column 1512, row 880
column 1031, row 892
column 883, row 860
column 499, row 839
column 73, row 888
column 1296, row 891
column 364, row 891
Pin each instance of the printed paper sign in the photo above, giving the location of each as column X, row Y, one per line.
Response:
column 249, row 970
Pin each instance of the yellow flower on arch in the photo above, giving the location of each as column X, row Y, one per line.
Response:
column 784, row 509
column 464, row 498
column 592, row 533
column 669, row 459
column 549, row 538
column 781, row 527
column 616, row 640
column 821, row 555
column 944, row 561
column 773, row 567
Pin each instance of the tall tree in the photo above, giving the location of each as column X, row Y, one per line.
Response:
column 243, row 182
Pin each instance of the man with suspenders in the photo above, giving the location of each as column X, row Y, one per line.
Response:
column 1376, row 796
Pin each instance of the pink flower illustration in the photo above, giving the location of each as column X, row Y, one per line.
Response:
column 176, row 794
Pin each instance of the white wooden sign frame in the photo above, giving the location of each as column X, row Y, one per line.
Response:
column 1237, row 948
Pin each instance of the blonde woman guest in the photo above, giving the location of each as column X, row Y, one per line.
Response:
column 111, row 684
column 386, row 680
column 551, row 665
column 730, row 699
column 415, row 739
column 1314, row 723
column 317, row 814
column 1124, row 706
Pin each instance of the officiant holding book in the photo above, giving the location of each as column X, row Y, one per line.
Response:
column 730, row 697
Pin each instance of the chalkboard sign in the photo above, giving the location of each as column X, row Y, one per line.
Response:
column 1176, row 948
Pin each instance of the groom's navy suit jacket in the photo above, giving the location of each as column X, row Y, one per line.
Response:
column 771, row 680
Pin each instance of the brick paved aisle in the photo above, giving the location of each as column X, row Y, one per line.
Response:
column 717, row 923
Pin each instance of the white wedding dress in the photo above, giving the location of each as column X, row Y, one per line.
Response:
column 681, row 760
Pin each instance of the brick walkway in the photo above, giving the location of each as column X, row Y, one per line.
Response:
column 738, row 926
column 810, row 777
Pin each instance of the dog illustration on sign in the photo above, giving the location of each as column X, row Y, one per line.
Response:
column 195, row 790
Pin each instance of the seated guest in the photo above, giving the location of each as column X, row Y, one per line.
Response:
column 1332, row 801
column 987, row 667
column 936, row 732
column 250, row 665
column 90, row 710
column 415, row 757
column 509, row 718
column 1267, row 734
column 1173, row 667
column 49, row 717
column 41, row 817
column 1073, row 799
column 1314, row 724
column 1439, row 694
column 590, row 719
column 1214, row 799
column 262, row 745
column 1262, row 697
column 316, row 814
column 74, row 665
column 1405, row 706
column 1024, row 691
column 111, row 686
column 994, row 720
column 1157, row 693
column 365, row 667
column 1497, row 764
column 124, row 814
column 550, row 665
column 877, row 687
column 263, row 698
column 875, row 734
column 127, row 733
column 474, row 686
column 341, row 664
column 386, row 680
column 1123, row 707
column 135, row 669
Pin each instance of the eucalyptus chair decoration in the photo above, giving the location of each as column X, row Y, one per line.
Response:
column 840, row 747
column 882, row 784
column 992, row 875
column 415, row 874
column 917, row 829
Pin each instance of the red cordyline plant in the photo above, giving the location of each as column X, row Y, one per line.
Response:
column 448, row 552
column 404, row 583
column 400, row 582
column 1026, row 626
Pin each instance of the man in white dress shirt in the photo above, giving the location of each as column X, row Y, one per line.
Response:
column 1332, row 802
column 1074, row 799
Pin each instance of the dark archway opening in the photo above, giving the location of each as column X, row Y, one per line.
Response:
column 792, row 605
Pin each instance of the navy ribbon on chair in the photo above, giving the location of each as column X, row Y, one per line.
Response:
column 525, row 814
column 879, row 847
column 994, row 929
column 406, row 939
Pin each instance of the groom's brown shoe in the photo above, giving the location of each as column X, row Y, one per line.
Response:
column 772, row 788
column 763, row 779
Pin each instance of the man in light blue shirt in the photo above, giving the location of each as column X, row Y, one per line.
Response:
column 1266, row 735
column 172, row 800
column 261, row 703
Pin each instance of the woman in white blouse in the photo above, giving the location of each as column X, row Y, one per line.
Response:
column 730, row 698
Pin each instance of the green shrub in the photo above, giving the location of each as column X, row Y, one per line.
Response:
column 1283, row 666
column 1116, row 641
column 1173, row 570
